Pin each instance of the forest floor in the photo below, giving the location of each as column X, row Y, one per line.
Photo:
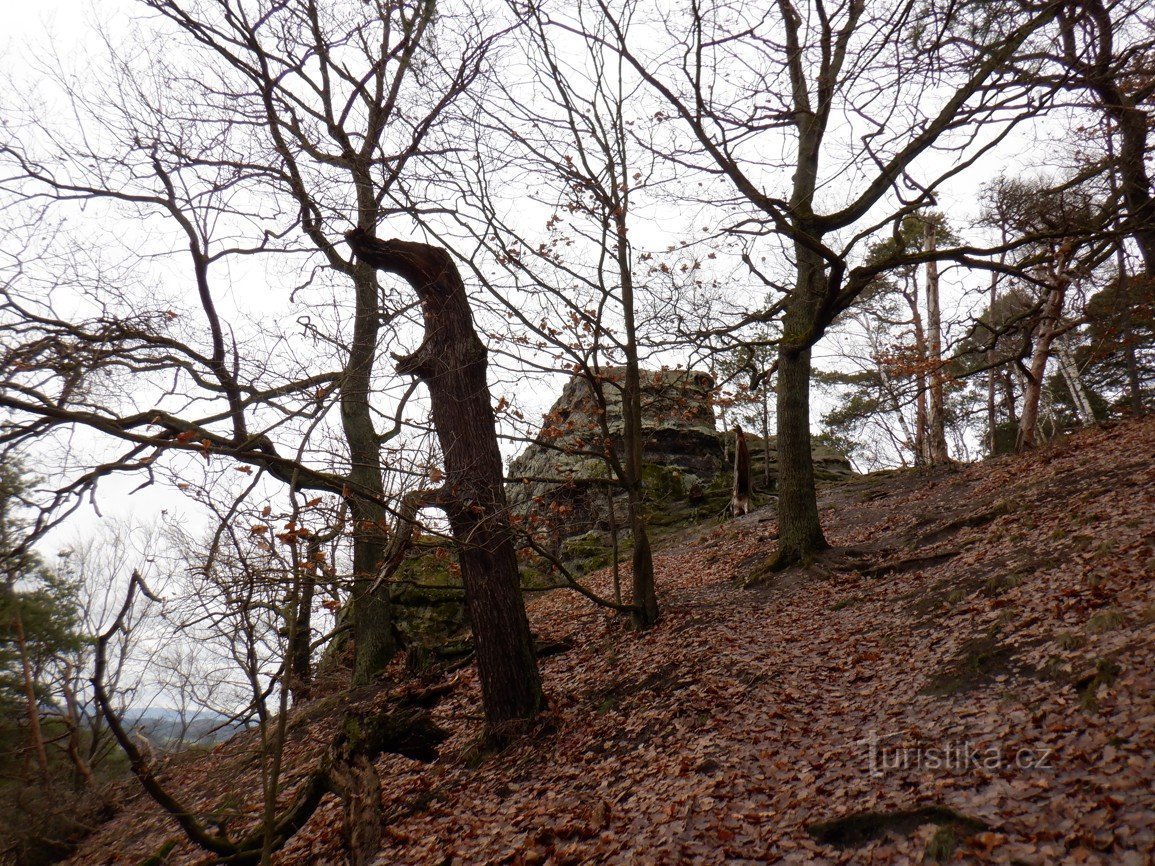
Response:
column 967, row 677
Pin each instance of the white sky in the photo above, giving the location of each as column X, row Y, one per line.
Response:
column 66, row 28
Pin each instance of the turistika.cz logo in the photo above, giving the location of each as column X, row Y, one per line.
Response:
column 885, row 755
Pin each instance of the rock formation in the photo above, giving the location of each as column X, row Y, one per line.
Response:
column 555, row 492
column 686, row 461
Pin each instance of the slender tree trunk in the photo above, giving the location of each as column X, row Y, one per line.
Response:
column 921, row 416
column 451, row 361
column 740, row 494
column 1134, row 383
column 644, row 595
column 299, row 650
column 373, row 638
column 31, row 705
column 1070, row 372
column 1009, row 397
column 72, row 719
column 936, row 450
column 766, row 434
column 992, row 411
column 614, row 544
column 1036, row 376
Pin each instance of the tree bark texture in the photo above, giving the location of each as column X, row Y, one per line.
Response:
column 31, row 704
column 644, row 594
column 451, row 362
column 799, row 529
column 740, row 494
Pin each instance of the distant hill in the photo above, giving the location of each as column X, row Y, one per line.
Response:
column 168, row 730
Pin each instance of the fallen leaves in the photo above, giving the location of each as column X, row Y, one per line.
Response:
column 745, row 716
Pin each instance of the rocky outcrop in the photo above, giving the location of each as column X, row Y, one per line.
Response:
column 557, row 491
column 577, row 434
column 686, row 472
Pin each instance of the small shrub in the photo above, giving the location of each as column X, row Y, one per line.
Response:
column 1105, row 621
column 942, row 844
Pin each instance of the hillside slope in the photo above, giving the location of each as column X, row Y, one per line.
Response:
column 969, row 674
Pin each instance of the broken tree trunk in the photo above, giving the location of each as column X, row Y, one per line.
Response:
column 452, row 362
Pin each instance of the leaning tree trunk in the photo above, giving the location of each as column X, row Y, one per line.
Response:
column 451, row 361
column 1074, row 379
column 32, row 705
column 1047, row 332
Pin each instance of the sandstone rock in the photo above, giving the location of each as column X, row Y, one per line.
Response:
column 685, row 454
column 555, row 487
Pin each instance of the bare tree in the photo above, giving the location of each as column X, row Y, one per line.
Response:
column 570, row 128
column 1107, row 50
column 743, row 75
column 300, row 122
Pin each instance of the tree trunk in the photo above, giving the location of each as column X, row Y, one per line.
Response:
column 921, row 410
column 921, row 452
column 1134, row 383
column 84, row 777
column 644, row 595
column 1074, row 380
column 740, row 492
column 1100, row 71
column 357, row 783
column 451, row 361
column 32, row 706
column 936, row 450
column 992, row 413
column 299, row 651
column 373, row 638
column 614, row 544
column 1032, row 393
column 766, row 435
column 1009, row 396
column 799, row 529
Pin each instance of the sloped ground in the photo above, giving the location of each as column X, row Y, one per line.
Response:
column 969, row 676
